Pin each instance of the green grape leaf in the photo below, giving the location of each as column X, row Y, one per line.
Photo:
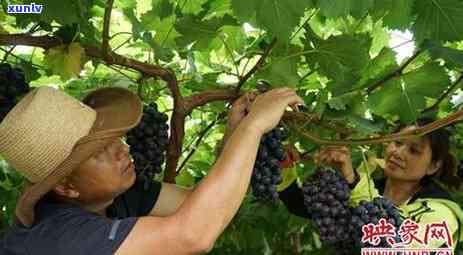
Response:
column 137, row 27
column 407, row 100
column 342, row 8
column 192, row 6
column 219, row 8
column 244, row 9
column 130, row 4
column 429, row 80
column 61, row 11
column 281, row 17
column 281, row 72
column 380, row 37
column 365, row 125
column 439, row 20
column 2, row 30
column 234, row 37
column 451, row 56
column 338, row 56
column 390, row 101
column 320, row 106
column 65, row 60
column 164, row 29
column 30, row 71
column 289, row 176
column 163, row 8
column 337, row 103
column 395, row 14
column 343, row 84
column 192, row 29
column 378, row 68
column 162, row 53
column 203, row 82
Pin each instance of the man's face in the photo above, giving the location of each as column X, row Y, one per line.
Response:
column 104, row 175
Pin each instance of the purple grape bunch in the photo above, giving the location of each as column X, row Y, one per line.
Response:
column 148, row 142
column 371, row 212
column 13, row 85
column 267, row 171
column 326, row 198
column 460, row 169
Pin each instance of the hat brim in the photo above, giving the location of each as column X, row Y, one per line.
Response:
column 118, row 110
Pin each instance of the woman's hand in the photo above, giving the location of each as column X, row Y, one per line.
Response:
column 337, row 156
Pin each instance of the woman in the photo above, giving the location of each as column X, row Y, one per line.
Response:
column 411, row 169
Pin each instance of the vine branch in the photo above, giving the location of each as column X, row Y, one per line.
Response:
column 106, row 23
column 393, row 74
column 208, row 96
column 420, row 131
column 177, row 128
column 47, row 42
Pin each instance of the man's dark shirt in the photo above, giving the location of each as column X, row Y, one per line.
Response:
column 68, row 229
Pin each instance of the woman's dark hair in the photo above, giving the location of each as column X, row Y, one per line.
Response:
column 440, row 147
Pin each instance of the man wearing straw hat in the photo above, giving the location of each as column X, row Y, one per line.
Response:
column 78, row 171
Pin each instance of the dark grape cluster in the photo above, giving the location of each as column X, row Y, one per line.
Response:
column 371, row 212
column 326, row 198
column 460, row 169
column 267, row 173
column 12, row 86
column 148, row 142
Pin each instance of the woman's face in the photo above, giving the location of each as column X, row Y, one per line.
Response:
column 409, row 160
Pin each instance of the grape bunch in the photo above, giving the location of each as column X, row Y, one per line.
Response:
column 371, row 212
column 326, row 198
column 460, row 169
column 148, row 142
column 267, row 173
column 12, row 86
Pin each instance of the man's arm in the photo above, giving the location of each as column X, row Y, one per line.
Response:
column 172, row 196
column 200, row 219
column 207, row 211
column 170, row 199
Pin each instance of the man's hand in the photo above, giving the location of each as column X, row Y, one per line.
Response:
column 239, row 110
column 337, row 156
column 268, row 108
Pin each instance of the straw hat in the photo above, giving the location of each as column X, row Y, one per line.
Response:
column 48, row 134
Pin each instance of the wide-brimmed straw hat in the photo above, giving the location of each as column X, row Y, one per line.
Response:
column 49, row 133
